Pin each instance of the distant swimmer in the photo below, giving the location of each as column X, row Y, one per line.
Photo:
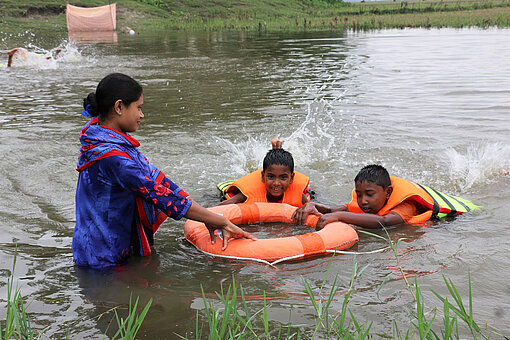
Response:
column 504, row 172
column 20, row 53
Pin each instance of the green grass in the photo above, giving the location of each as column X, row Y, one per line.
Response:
column 264, row 15
column 17, row 324
column 229, row 321
column 231, row 317
column 17, row 321
column 129, row 327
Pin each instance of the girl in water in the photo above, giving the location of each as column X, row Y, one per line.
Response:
column 121, row 198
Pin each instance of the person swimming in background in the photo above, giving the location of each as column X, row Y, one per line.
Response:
column 121, row 198
column 20, row 53
column 380, row 200
column 276, row 182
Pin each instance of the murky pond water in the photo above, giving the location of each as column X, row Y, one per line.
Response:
column 430, row 105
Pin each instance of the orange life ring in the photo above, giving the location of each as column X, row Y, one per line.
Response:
column 334, row 236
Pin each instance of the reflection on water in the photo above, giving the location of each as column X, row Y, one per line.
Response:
column 94, row 37
column 430, row 105
column 107, row 291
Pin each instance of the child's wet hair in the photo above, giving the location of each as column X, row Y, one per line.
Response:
column 278, row 157
column 374, row 174
column 111, row 88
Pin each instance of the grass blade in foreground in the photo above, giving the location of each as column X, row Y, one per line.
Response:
column 129, row 327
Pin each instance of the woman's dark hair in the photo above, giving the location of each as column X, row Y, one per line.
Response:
column 278, row 157
column 111, row 88
column 374, row 174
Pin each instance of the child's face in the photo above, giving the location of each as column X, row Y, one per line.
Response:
column 372, row 197
column 277, row 178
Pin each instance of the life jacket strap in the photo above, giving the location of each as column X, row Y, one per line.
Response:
column 222, row 187
column 468, row 209
column 435, row 208
column 453, row 211
column 448, row 200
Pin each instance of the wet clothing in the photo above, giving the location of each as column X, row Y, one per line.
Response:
column 428, row 203
column 254, row 189
column 121, row 198
column 408, row 210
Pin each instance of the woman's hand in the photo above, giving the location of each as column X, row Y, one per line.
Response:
column 229, row 230
column 299, row 216
column 215, row 221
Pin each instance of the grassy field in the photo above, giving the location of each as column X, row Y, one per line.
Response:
column 266, row 15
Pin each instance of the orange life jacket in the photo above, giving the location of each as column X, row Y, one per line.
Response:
column 254, row 189
column 435, row 203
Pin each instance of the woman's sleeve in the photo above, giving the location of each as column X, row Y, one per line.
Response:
column 166, row 195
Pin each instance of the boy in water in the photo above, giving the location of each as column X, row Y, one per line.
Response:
column 379, row 200
column 276, row 182
column 21, row 54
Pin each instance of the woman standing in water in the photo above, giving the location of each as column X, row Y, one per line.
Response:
column 121, row 198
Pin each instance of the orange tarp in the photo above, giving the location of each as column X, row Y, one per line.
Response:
column 102, row 18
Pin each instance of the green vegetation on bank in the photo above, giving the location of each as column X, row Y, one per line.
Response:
column 264, row 15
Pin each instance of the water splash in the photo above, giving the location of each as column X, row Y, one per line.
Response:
column 310, row 142
column 36, row 57
column 70, row 53
column 247, row 155
column 479, row 165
